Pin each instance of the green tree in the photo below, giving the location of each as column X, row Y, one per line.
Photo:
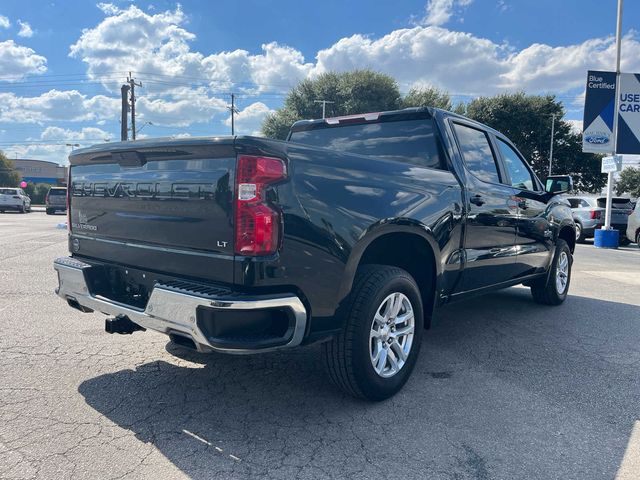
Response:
column 427, row 97
column 526, row 120
column 357, row 91
column 37, row 192
column 9, row 176
column 629, row 182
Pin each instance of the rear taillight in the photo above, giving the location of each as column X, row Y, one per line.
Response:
column 46, row 198
column 595, row 214
column 257, row 223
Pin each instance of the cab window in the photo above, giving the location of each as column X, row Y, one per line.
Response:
column 477, row 153
column 520, row 175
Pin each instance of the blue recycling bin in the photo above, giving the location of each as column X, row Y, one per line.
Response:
column 606, row 238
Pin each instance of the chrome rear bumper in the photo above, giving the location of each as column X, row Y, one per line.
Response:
column 174, row 313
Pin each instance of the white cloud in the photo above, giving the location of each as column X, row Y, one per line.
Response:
column 4, row 22
column 249, row 120
column 86, row 134
column 51, row 144
column 191, row 106
column 25, row 29
column 109, row 8
column 16, row 61
column 576, row 125
column 157, row 46
column 440, row 12
column 463, row 63
column 56, row 105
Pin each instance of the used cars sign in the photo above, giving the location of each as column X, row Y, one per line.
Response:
column 629, row 114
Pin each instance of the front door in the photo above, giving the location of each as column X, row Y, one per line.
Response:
column 534, row 238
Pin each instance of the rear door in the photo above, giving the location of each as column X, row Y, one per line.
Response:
column 167, row 209
column 489, row 242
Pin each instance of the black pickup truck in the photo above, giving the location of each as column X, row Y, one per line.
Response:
column 350, row 233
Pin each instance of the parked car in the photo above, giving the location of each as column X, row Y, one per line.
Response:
column 350, row 233
column 633, row 227
column 56, row 200
column 14, row 199
column 589, row 215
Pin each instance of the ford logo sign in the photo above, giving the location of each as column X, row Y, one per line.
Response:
column 597, row 139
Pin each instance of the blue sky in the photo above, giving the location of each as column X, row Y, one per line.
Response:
column 61, row 63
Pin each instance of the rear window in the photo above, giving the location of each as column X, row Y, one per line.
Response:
column 8, row 191
column 409, row 141
column 621, row 203
column 58, row 191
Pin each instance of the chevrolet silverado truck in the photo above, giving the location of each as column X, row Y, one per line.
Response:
column 350, row 233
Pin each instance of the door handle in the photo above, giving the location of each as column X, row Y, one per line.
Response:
column 477, row 200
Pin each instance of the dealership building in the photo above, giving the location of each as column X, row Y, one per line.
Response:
column 40, row 171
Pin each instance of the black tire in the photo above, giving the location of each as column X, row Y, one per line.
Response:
column 580, row 238
column 638, row 239
column 624, row 241
column 545, row 291
column 50, row 211
column 348, row 355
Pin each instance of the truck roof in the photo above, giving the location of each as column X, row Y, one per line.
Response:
column 413, row 113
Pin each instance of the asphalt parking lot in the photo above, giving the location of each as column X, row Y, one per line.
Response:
column 504, row 388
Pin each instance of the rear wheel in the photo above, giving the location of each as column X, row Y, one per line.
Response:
column 50, row 211
column 579, row 234
column 374, row 355
column 624, row 241
column 552, row 290
column 638, row 238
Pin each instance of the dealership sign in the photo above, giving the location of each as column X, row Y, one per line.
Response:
column 599, row 104
column 599, row 107
column 629, row 114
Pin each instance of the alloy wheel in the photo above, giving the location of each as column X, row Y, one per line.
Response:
column 391, row 335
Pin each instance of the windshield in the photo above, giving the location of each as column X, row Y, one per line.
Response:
column 8, row 191
column 58, row 191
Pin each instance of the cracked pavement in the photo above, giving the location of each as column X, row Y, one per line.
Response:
column 504, row 388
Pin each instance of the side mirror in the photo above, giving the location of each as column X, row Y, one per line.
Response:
column 559, row 184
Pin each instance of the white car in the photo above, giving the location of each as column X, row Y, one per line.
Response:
column 14, row 199
column 633, row 227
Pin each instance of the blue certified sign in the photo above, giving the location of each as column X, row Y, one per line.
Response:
column 597, row 136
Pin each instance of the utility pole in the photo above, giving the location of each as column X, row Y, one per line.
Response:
column 232, row 108
column 132, row 85
column 324, row 106
column 553, row 125
column 124, row 132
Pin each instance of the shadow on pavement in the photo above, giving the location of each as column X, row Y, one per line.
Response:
column 503, row 388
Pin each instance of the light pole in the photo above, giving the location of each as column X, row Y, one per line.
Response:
column 553, row 125
column 607, row 212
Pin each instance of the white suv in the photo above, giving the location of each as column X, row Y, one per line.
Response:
column 14, row 199
column 633, row 227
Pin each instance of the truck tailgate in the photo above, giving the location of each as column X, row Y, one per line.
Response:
column 165, row 208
